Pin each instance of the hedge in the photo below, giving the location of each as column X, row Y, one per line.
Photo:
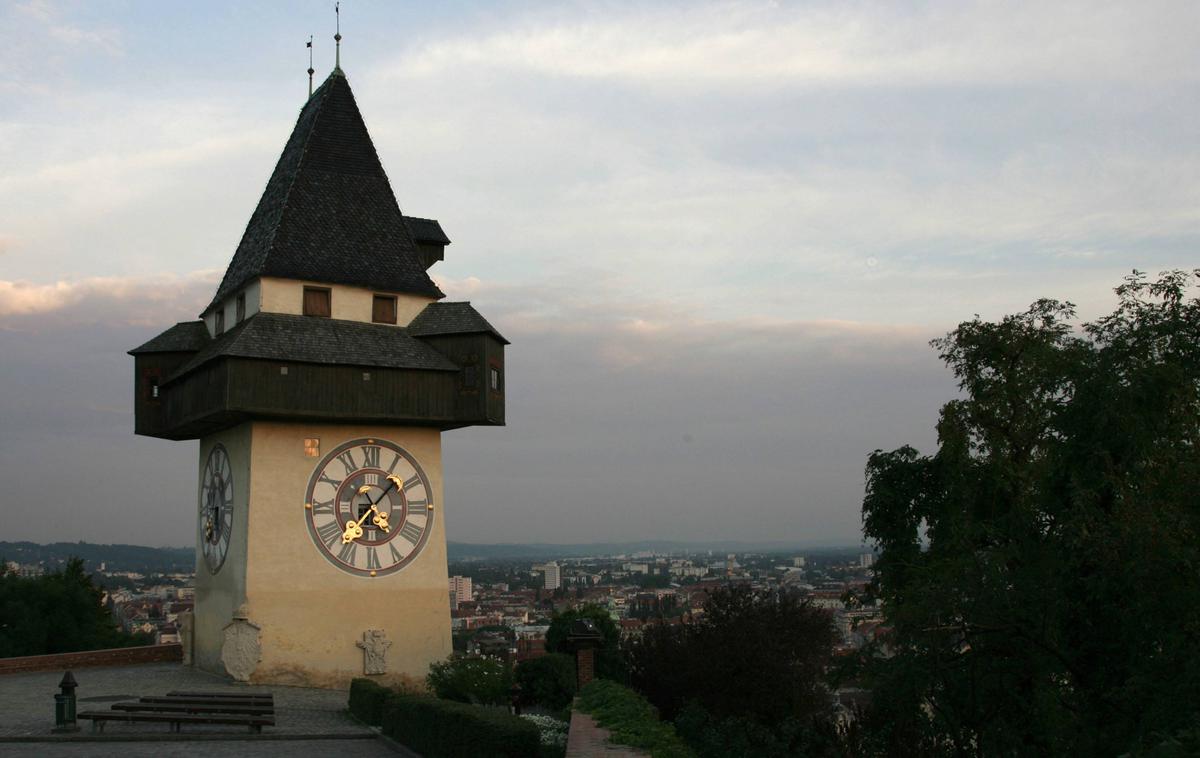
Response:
column 446, row 729
column 630, row 719
column 366, row 700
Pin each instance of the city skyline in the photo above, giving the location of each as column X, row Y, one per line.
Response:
column 718, row 236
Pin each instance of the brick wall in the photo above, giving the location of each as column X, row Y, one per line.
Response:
column 121, row 656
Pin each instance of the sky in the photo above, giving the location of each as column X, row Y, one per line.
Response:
column 719, row 235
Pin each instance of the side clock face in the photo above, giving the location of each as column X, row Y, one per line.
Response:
column 216, row 508
column 369, row 507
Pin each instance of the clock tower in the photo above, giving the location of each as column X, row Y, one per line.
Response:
column 318, row 382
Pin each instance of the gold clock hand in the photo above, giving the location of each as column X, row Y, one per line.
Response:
column 380, row 520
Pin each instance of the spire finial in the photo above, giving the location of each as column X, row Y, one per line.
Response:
column 310, row 68
column 337, row 38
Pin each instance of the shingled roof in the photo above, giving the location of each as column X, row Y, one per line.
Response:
column 304, row 339
column 427, row 230
column 328, row 213
column 184, row 337
column 452, row 318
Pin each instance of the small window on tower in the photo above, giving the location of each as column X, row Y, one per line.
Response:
column 383, row 311
column 495, row 373
column 316, row 302
column 312, row 447
column 241, row 307
column 219, row 321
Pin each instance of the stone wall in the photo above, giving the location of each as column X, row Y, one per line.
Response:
column 120, row 656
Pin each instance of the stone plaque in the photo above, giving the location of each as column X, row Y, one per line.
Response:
column 374, row 644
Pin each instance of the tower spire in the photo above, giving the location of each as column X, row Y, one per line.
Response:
column 337, row 38
column 310, row 68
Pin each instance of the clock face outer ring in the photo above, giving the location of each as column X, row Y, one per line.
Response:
column 331, row 457
column 214, row 552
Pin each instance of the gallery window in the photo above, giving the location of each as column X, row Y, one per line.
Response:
column 383, row 309
column 241, row 307
column 219, row 321
column 495, row 381
column 316, row 302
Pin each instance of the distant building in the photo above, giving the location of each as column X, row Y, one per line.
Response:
column 798, row 561
column 461, row 587
column 866, row 560
column 552, row 574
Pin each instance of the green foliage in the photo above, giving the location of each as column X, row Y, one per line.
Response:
column 548, row 680
column 446, row 729
column 59, row 612
column 630, row 719
column 609, row 663
column 366, row 700
column 471, row 680
column 1039, row 571
column 747, row 737
column 753, row 654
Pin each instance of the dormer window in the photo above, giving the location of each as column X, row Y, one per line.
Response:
column 383, row 309
column 316, row 302
column 219, row 322
column 241, row 307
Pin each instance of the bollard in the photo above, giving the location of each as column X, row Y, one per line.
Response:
column 64, row 705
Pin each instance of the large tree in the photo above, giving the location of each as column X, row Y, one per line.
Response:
column 1041, row 571
column 58, row 612
column 744, row 678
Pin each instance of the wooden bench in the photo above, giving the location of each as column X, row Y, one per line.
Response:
column 247, row 710
column 224, row 695
column 252, row 709
column 208, row 701
column 176, row 720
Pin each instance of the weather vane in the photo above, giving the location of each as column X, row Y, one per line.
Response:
column 310, row 68
column 337, row 38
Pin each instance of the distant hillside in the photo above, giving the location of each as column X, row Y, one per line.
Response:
column 466, row 551
column 144, row 560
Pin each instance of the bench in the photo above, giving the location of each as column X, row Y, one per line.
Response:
column 224, row 695
column 255, row 722
column 207, row 701
column 247, row 710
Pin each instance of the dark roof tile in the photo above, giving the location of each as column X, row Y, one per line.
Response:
column 305, row 339
column 184, row 337
column 452, row 318
column 328, row 213
column 427, row 230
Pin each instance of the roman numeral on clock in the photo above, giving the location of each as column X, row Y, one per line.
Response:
column 325, row 508
column 372, row 559
column 412, row 482
column 347, row 553
column 411, row 532
column 372, row 456
column 329, row 533
column 347, row 460
column 396, row 557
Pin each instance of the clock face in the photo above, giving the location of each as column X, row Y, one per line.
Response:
column 369, row 507
column 216, row 508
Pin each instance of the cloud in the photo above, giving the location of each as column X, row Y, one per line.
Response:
column 126, row 300
column 756, row 43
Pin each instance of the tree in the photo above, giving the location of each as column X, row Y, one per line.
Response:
column 609, row 664
column 746, row 677
column 548, row 680
column 1039, row 572
column 485, row 681
column 59, row 612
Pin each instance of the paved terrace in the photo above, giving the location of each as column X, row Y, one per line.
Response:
column 308, row 721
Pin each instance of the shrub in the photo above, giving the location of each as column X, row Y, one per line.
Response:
column 366, row 700
column 548, row 680
column 630, row 719
column 471, row 680
column 446, row 729
column 552, row 733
